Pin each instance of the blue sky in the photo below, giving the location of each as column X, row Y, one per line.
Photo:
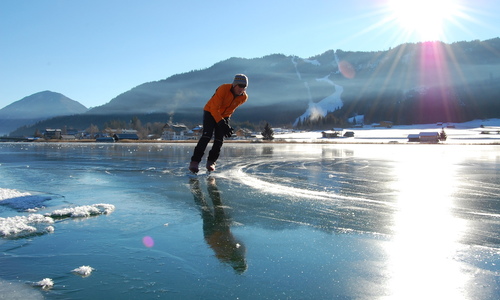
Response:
column 91, row 51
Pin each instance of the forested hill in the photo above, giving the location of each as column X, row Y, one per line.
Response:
column 412, row 83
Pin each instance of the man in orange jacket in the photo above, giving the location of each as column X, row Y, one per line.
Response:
column 216, row 114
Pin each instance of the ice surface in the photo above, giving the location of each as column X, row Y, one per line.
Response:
column 17, row 291
column 316, row 219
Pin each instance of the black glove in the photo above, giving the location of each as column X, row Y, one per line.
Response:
column 224, row 126
column 230, row 132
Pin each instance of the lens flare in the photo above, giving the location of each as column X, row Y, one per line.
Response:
column 347, row 69
column 148, row 241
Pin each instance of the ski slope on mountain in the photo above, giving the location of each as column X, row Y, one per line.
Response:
column 328, row 104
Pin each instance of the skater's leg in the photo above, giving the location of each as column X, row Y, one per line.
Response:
column 208, row 131
column 214, row 153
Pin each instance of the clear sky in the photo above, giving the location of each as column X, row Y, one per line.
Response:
column 93, row 50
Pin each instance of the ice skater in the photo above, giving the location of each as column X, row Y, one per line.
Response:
column 216, row 114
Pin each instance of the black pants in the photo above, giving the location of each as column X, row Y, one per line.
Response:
column 209, row 127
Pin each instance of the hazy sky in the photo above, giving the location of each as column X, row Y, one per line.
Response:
column 93, row 50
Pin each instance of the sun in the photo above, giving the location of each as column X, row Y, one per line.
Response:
column 424, row 18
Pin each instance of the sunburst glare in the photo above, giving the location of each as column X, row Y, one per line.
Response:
column 426, row 233
column 425, row 18
column 409, row 21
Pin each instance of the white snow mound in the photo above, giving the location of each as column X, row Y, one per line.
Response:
column 33, row 224
column 83, row 270
column 25, row 225
column 9, row 194
column 45, row 283
column 82, row 211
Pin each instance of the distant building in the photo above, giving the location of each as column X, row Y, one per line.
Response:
column 334, row 133
column 52, row 134
column 105, row 139
column 386, row 124
column 197, row 130
column 429, row 137
column 68, row 137
column 125, row 136
column 175, row 132
column 244, row 133
column 415, row 138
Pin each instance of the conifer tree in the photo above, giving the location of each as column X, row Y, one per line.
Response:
column 442, row 135
column 268, row 133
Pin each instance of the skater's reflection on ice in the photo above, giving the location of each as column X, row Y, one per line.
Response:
column 216, row 226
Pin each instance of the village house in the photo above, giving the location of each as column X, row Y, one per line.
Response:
column 244, row 133
column 425, row 137
column 386, row 124
column 197, row 130
column 68, row 137
column 429, row 137
column 414, row 138
column 105, row 139
column 125, row 136
column 334, row 133
column 349, row 134
column 52, row 134
column 176, row 132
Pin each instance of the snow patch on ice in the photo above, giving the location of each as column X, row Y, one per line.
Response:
column 83, row 271
column 37, row 224
column 45, row 283
column 82, row 211
column 22, row 201
column 25, row 225
column 8, row 194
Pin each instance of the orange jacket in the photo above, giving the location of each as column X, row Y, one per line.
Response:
column 223, row 103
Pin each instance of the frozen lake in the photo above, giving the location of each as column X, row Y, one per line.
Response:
column 276, row 221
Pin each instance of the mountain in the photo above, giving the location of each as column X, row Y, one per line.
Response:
column 288, row 88
column 37, row 107
column 409, row 84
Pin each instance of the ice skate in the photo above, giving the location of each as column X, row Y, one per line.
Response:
column 193, row 167
column 210, row 166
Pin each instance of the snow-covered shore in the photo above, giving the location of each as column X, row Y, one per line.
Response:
column 457, row 133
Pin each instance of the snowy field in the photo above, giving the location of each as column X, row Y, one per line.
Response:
column 462, row 133
column 300, row 220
